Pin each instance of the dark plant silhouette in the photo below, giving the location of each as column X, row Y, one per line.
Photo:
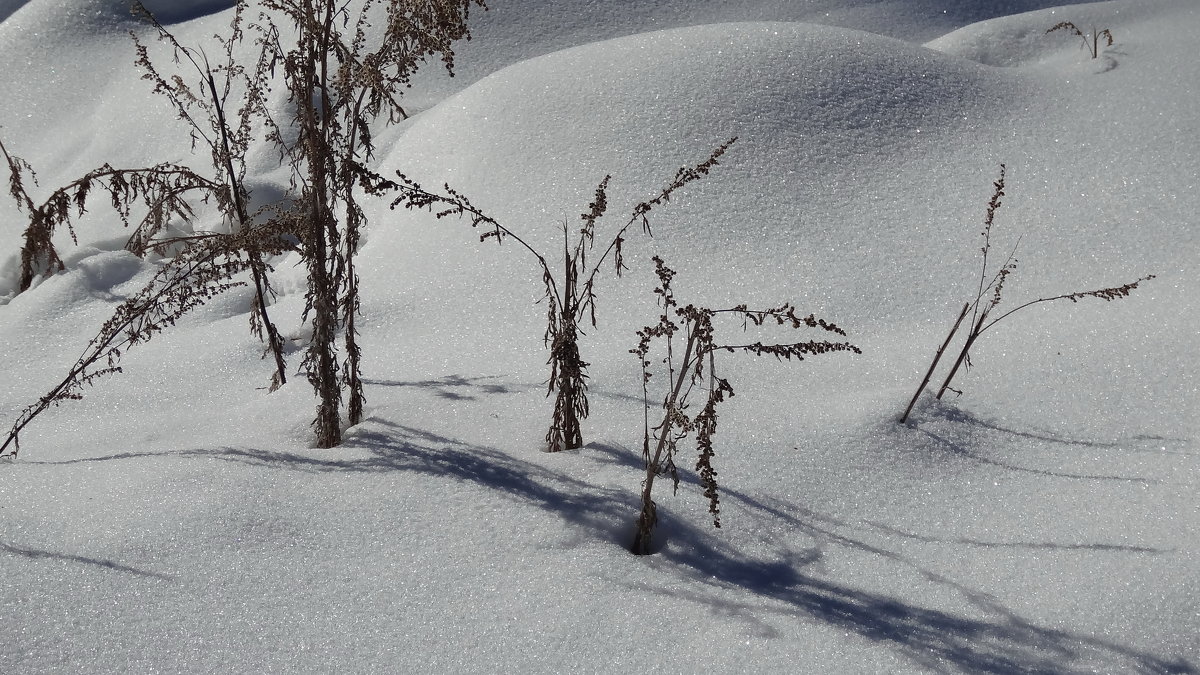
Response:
column 1090, row 42
column 200, row 272
column 344, row 66
column 571, row 295
column 343, row 74
column 228, row 135
column 692, row 328
column 161, row 190
column 989, row 295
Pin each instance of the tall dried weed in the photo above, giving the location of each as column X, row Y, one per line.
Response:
column 691, row 328
column 344, row 66
column 571, row 295
column 989, row 295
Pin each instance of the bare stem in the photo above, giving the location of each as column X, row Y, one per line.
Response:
column 932, row 366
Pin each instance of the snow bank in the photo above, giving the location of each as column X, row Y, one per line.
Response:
column 1043, row 522
column 821, row 114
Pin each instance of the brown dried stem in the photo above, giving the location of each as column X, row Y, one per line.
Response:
column 570, row 299
column 697, row 368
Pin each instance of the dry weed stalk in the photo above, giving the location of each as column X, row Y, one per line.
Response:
column 1090, row 42
column 989, row 295
column 341, row 81
column 206, row 108
column 200, row 272
column 344, row 65
column 571, row 298
column 161, row 189
column 696, row 368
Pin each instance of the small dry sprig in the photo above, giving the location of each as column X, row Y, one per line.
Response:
column 161, row 189
column 202, row 271
column 1090, row 42
column 693, row 326
column 570, row 297
column 989, row 296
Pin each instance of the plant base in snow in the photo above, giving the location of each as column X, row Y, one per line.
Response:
column 340, row 81
column 692, row 329
column 571, row 296
column 987, row 300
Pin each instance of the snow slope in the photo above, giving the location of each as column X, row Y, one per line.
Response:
column 1044, row 521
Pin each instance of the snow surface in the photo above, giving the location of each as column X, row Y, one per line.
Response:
column 177, row 519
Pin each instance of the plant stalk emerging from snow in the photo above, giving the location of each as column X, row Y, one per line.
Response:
column 989, row 295
column 571, row 296
column 1090, row 42
column 692, row 327
column 340, row 82
column 345, row 64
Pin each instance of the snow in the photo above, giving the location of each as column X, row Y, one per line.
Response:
column 1044, row 521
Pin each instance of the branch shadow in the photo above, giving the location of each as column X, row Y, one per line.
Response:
column 35, row 554
column 725, row 580
column 463, row 388
column 962, row 426
column 1028, row 545
column 1002, row 642
column 932, row 639
column 391, row 447
column 455, row 387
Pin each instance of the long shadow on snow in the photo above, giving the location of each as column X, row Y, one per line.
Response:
column 940, row 641
column 463, row 388
column 937, row 640
column 454, row 387
column 931, row 638
column 35, row 554
column 962, row 427
column 402, row 448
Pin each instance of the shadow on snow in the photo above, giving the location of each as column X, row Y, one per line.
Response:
column 719, row 574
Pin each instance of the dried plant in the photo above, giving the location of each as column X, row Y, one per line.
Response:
column 696, row 369
column 989, row 295
column 1090, row 42
column 200, row 272
column 571, row 298
column 228, row 134
column 343, row 74
column 161, row 190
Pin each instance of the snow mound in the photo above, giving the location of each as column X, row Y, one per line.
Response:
column 1022, row 39
column 516, row 30
column 818, row 112
column 821, row 90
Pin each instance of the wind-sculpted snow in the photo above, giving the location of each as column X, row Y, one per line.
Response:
column 1044, row 521
column 8, row 7
column 97, row 11
column 516, row 30
column 174, row 11
column 1022, row 39
column 819, row 112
